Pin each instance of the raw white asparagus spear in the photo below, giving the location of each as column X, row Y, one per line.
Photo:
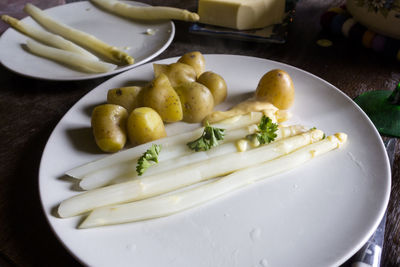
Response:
column 79, row 37
column 166, row 143
column 127, row 170
column 180, row 177
column 169, row 204
column 147, row 12
column 46, row 37
column 69, row 58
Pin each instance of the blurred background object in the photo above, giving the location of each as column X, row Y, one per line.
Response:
column 380, row 16
column 340, row 21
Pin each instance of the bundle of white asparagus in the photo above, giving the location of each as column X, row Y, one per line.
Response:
column 132, row 198
column 78, row 37
column 64, row 43
column 46, row 37
column 57, row 48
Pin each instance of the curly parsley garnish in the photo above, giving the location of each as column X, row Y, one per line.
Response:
column 208, row 139
column 149, row 158
column 266, row 131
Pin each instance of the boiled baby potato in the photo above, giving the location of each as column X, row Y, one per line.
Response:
column 177, row 73
column 109, row 127
column 194, row 59
column 216, row 84
column 160, row 96
column 145, row 125
column 276, row 86
column 128, row 97
column 197, row 101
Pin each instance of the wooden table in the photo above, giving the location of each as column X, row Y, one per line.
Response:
column 31, row 108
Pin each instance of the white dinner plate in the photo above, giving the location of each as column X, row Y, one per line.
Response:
column 128, row 35
column 318, row 214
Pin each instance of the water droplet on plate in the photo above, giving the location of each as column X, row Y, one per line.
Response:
column 131, row 247
column 264, row 263
column 255, row 234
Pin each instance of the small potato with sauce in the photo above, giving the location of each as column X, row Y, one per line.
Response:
column 216, row 84
column 197, row 101
column 177, row 73
column 160, row 96
column 276, row 87
column 128, row 97
column 194, row 59
column 109, row 127
column 145, row 125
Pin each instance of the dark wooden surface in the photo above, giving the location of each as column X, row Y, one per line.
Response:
column 30, row 109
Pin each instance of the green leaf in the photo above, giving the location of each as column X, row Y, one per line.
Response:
column 148, row 159
column 394, row 97
column 208, row 139
column 267, row 131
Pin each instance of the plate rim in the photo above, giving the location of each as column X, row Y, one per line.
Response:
column 339, row 261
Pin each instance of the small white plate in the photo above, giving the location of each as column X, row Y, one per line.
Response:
column 319, row 214
column 126, row 34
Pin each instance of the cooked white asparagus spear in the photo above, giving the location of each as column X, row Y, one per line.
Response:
column 69, row 58
column 127, row 170
column 179, row 153
column 147, row 12
column 180, row 177
column 170, row 204
column 79, row 37
column 166, row 143
column 46, row 37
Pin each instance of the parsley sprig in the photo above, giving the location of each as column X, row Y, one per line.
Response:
column 266, row 131
column 148, row 159
column 209, row 138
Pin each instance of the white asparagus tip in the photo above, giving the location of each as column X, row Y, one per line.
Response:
column 338, row 139
column 342, row 137
column 191, row 16
column 316, row 135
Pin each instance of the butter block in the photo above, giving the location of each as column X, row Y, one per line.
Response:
column 241, row 14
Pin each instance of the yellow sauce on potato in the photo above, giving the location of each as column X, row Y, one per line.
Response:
column 245, row 107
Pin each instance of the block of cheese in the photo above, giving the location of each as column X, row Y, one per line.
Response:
column 241, row 14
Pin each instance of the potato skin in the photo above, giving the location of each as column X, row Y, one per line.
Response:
column 127, row 97
column 216, row 84
column 145, row 125
column 160, row 96
column 276, row 86
column 109, row 127
column 194, row 59
column 177, row 73
column 197, row 101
